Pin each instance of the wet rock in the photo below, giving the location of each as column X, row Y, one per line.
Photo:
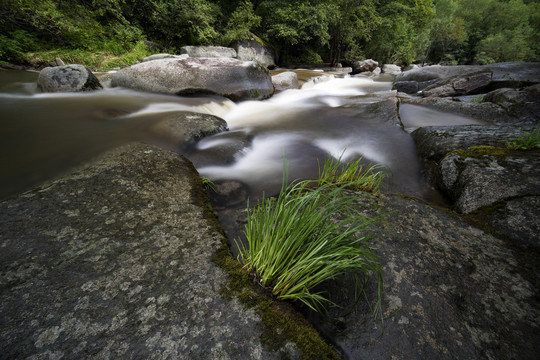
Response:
column 451, row 291
column 114, row 261
column 67, row 78
column 285, row 80
column 480, row 177
column 463, row 84
column 253, row 50
column 434, row 142
column 235, row 79
column 361, row 66
column 522, row 104
column 517, row 219
column 512, row 74
column 179, row 130
column 208, row 51
column 486, row 112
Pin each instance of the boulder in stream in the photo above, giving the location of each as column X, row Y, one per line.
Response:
column 208, row 51
column 235, row 79
column 462, row 84
column 512, row 74
column 253, row 50
column 178, row 130
column 361, row 66
column 285, row 80
column 67, row 78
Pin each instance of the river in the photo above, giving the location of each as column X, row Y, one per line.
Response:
column 43, row 135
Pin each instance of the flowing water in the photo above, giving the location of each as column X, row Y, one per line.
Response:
column 43, row 135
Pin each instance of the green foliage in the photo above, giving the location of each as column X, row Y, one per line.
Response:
column 208, row 184
column 352, row 174
column 530, row 140
column 242, row 23
column 305, row 237
column 390, row 31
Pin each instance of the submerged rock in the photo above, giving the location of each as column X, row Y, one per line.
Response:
column 115, row 261
column 179, row 130
column 235, row 79
column 67, row 78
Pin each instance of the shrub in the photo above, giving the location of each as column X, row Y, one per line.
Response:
column 306, row 236
column 529, row 140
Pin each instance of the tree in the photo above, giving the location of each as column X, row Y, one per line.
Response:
column 402, row 22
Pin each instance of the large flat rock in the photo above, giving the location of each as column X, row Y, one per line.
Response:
column 451, row 291
column 114, row 261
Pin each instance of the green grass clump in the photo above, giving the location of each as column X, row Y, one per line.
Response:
column 306, row 236
column 208, row 184
column 529, row 140
column 352, row 173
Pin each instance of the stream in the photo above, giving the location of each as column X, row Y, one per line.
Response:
column 44, row 135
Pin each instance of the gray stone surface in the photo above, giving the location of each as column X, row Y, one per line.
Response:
column 361, row 66
column 522, row 104
column 252, row 50
column 164, row 56
column 516, row 218
column 391, row 69
column 179, row 130
column 208, row 51
column 451, row 291
column 481, row 180
column 504, row 74
column 434, row 142
column 235, row 79
column 488, row 112
column 67, row 78
column 462, row 84
column 114, row 262
column 285, row 80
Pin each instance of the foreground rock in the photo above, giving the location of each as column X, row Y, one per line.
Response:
column 114, row 261
column 67, row 78
column 235, row 79
column 451, row 291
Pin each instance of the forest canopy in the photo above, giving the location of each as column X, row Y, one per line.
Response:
column 301, row 31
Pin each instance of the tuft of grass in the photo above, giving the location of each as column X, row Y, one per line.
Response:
column 306, row 236
column 352, row 173
column 208, row 184
column 529, row 140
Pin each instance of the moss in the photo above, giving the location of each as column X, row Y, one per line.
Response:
column 282, row 324
column 482, row 151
